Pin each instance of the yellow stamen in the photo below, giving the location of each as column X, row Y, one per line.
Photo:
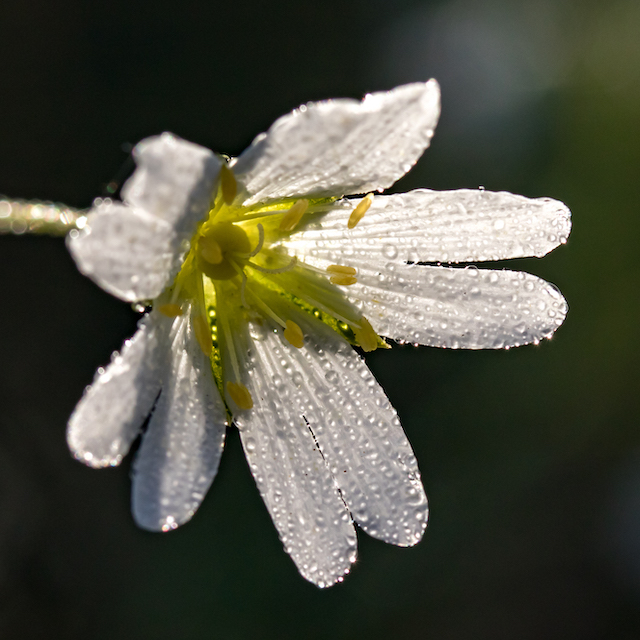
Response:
column 366, row 337
column 240, row 395
column 338, row 268
column 170, row 310
column 291, row 218
column 343, row 279
column 228, row 184
column 358, row 213
column 203, row 334
column 342, row 275
column 293, row 334
column 210, row 250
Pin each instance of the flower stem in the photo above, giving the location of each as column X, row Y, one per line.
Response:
column 33, row 216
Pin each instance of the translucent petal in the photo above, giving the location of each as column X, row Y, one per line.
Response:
column 432, row 226
column 358, row 431
column 112, row 410
column 459, row 308
column 128, row 252
column 134, row 251
column 174, row 181
column 181, row 449
column 292, row 476
column 339, row 147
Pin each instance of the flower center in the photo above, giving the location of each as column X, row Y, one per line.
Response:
column 238, row 272
column 221, row 250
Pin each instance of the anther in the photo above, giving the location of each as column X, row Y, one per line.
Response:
column 228, row 184
column 342, row 275
column 291, row 218
column 358, row 213
column 366, row 337
column 343, row 280
column 210, row 250
column 203, row 334
column 339, row 268
column 170, row 310
column 240, row 395
column 293, row 334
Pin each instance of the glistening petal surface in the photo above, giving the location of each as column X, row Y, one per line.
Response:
column 342, row 146
column 437, row 226
column 292, row 476
column 112, row 410
column 358, row 431
column 466, row 308
column 134, row 251
column 126, row 251
column 174, row 181
column 181, row 449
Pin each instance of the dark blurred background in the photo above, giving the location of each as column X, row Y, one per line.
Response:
column 530, row 457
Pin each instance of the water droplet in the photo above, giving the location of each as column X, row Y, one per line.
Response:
column 389, row 251
column 332, row 377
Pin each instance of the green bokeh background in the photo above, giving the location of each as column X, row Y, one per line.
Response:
column 530, row 457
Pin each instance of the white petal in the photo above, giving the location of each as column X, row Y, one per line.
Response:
column 134, row 251
column 181, row 449
column 432, row 226
column 359, row 433
column 339, row 147
column 174, row 181
column 459, row 308
column 126, row 251
column 112, row 410
column 292, row 476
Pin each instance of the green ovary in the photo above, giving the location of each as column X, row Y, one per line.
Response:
column 220, row 249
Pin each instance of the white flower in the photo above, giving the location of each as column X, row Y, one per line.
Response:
column 260, row 277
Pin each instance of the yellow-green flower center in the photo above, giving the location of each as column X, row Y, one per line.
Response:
column 219, row 250
column 237, row 271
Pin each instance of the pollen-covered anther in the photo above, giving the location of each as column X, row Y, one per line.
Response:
column 170, row 310
column 228, row 184
column 240, row 395
column 203, row 334
column 358, row 213
column 293, row 216
column 293, row 334
column 366, row 337
column 342, row 275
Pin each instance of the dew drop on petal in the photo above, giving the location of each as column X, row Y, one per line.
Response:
column 389, row 251
column 331, row 377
